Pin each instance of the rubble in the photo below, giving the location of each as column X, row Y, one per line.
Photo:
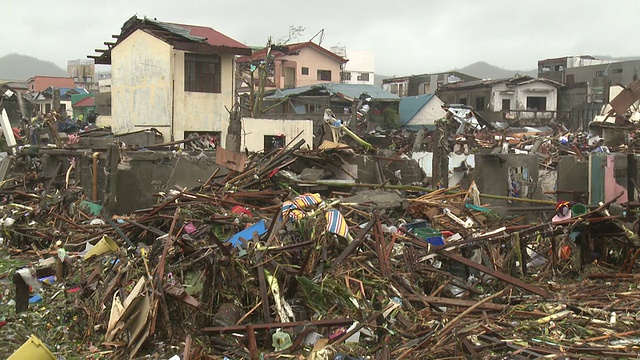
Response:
column 309, row 254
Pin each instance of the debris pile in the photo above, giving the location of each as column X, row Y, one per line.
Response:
column 254, row 264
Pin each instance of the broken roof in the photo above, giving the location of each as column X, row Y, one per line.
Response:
column 514, row 81
column 349, row 92
column 289, row 49
column 191, row 38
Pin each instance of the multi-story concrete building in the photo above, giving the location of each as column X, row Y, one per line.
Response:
column 173, row 77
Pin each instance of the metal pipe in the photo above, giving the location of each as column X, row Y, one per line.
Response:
column 95, row 176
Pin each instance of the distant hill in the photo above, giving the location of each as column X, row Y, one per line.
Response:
column 484, row 70
column 22, row 67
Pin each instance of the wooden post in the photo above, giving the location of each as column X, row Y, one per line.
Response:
column 523, row 253
column 440, row 161
column 251, row 342
column 22, row 293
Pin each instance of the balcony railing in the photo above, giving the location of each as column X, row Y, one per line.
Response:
column 531, row 114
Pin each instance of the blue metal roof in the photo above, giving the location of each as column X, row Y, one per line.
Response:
column 410, row 105
column 349, row 91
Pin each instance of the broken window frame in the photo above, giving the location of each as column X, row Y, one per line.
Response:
column 202, row 73
column 506, row 102
column 533, row 105
column 274, row 142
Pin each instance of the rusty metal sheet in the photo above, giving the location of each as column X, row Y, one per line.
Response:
column 626, row 98
column 230, row 159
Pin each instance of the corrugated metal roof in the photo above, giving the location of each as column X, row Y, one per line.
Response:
column 349, row 91
column 290, row 49
column 211, row 36
column 410, row 105
column 171, row 33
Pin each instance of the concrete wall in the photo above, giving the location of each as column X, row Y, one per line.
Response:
column 128, row 184
column 492, row 177
column 608, row 177
column 360, row 62
column 314, row 60
column 148, row 91
column 459, row 165
column 468, row 95
column 199, row 111
column 147, row 173
column 254, row 131
column 105, row 121
column 429, row 113
column 617, row 73
column 518, row 95
column 573, row 179
column 141, row 84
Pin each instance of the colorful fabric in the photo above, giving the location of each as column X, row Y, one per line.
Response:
column 336, row 224
column 293, row 209
column 306, row 200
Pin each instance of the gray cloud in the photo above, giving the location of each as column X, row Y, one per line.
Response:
column 407, row 37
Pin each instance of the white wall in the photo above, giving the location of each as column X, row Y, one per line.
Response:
column 425, row 160
column 147, row 90
column 199, row 111
column 360, row 62
column 141, row 84
column 429, row 113
column 254, row 130
column 518, row 95
column 539, row 89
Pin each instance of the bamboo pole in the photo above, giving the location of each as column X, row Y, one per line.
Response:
column 423, row 189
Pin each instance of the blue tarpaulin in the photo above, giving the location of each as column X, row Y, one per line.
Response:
column 247, row 233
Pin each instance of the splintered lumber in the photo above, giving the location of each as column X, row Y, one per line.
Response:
column 500, row 275
column 269, row 326
column 435, row 300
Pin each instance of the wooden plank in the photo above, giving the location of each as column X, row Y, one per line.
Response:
column 230, row 159
column 500, row 275
column 359, row 239
column 266, row 312
column 435, row 300
column 251, row 342
column 269, row 326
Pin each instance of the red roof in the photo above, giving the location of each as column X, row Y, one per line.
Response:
column 86, row 102
column 185, row 37
column 40, row 83
column 214, row 38
column 292, row 48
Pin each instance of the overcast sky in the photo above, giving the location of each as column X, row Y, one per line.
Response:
column 406, row 37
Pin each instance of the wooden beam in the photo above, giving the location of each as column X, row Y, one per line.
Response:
column 500, row 275
column 237, row 328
